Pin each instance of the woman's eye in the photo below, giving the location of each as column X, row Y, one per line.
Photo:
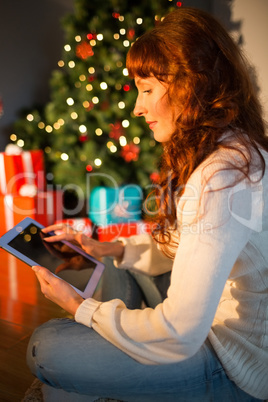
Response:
column 148, row 91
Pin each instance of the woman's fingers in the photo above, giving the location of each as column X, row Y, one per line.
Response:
column 59, row 237
column 59, row 227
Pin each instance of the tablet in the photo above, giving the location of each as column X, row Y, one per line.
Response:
column 64, row 259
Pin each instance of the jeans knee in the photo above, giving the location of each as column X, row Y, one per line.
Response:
column 40, row 347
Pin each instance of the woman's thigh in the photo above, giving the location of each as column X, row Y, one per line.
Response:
column 73, row 357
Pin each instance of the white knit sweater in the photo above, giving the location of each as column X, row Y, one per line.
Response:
column 218, row 285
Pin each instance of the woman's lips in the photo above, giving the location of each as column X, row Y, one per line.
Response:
column 151, row 124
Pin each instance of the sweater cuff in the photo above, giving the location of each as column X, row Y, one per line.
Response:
column 132, row 252
column 85, row 312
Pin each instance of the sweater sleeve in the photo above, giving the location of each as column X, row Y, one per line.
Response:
column 142, row 254
column 210, row 243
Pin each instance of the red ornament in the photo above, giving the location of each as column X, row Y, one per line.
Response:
column 83, row 138
column 91, row 36
column 179, row 3
column 84, row 50
column 89, row 168
column 126, row 87
column 130, row 33
column 105, row 105
column 155, row 177
column 116, row 130
column 116, row 15
column 90, row 107
column 130, row 152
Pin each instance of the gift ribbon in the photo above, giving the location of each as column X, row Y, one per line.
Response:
column 28, row 167
column 3, row 183
column 9, row 214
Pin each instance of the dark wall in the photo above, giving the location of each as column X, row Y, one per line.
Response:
column 31, row 40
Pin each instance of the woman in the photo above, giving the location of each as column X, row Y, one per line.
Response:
column 207, row 340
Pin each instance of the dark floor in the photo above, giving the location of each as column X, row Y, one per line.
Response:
column 22, row 308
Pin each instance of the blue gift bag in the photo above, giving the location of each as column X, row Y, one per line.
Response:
column 115, row 205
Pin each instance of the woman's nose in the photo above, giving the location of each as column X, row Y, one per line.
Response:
column 139, row 109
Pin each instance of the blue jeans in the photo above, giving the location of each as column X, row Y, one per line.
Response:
column 78, row 365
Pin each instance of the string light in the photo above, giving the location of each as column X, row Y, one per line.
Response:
column 64, row 156
column 74, row 115
column 113, row 149
column 71, row 64
column 122, row 141
column 98, row 162
column 67, row 48
column 121, row 105
column 82, row 129
column 89, row 87
column 103, row 85
column 95, row 100
column 125, row 123
column 86, row 104
column 30, row 117
column 56, row 125
column 98, row 131
column 49, row 129
column 70, row 101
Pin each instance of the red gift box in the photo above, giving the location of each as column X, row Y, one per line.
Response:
column 17, row 170
column 112, row 232
column 44, row 207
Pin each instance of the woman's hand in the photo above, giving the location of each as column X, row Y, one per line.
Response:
column 93, row 247
column 57, row 290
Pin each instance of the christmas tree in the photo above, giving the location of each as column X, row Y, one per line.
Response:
column 88, row 127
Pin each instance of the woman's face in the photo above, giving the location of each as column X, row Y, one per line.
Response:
column 152, row 103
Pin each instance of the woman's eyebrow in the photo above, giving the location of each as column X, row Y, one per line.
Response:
column 142, row 81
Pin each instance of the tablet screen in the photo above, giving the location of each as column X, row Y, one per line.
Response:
column 60, row 259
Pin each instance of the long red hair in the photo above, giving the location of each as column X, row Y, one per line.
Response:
column 210, row 84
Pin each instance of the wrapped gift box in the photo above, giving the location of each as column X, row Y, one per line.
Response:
column 44, row 207
column 115, row 205
column 16, row 170
column 112, row 232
